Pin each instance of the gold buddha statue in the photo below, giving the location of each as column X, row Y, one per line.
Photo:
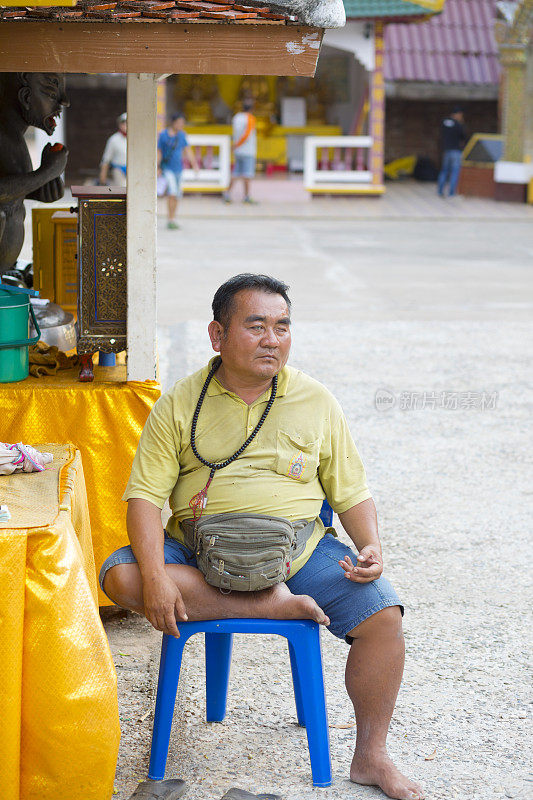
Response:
column 194, row 94
column 313, row 93
column 256, row 88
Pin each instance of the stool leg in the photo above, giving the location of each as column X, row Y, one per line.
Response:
column 297, row 687
column 309, row 660
column 167, row 686
column 218, row 648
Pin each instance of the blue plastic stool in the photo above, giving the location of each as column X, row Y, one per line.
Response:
column 106, row 359
column 326, row 514
column 303, row 637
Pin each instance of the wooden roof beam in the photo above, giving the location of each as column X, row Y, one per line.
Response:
column 134, row 47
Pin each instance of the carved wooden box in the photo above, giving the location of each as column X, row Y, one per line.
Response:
column 102, row 272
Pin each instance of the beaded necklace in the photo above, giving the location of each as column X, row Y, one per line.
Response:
column 199, row 501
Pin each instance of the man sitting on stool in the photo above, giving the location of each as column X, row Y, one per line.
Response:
column 302, row 452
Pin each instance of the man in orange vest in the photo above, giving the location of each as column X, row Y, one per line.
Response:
column 244, row 150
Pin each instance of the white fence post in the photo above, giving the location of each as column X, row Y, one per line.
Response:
column 209, row 179
column 345, row 181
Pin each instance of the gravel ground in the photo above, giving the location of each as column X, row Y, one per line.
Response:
column 451, row 490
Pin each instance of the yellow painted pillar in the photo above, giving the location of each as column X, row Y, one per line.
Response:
column 161, row 105
column 377, row 109
column 513, row 60
column 514, row 42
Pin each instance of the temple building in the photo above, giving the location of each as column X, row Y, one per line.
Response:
column 345, row 97
column 446, row 61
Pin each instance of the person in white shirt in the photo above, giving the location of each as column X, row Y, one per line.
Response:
column 244, row 150
column 113, row 163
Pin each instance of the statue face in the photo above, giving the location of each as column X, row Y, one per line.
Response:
column 42, row 97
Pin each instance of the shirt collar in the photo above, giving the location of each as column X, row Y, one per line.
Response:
column 215, row 387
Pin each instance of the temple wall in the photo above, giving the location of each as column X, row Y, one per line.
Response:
column 90, row 120
column 412, row 127
column 343, row 113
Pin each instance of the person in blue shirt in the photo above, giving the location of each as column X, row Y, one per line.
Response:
column 171, row 145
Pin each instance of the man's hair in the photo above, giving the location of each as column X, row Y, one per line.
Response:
column 223, row 301
column 247, row 105
column 177, row 115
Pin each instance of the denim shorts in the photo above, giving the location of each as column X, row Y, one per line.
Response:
column 346, row 603
column 173, row 180
column 244, row 166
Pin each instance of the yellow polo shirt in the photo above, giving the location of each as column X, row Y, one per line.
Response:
column 302, row 453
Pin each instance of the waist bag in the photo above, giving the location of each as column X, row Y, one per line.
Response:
column 245, row 552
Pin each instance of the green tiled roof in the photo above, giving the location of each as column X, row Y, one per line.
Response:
column 382, row 8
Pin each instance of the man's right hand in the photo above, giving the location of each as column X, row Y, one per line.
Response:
column 163, row 603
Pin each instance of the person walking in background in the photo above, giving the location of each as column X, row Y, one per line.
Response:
column 171, row 145
column 244, row 150
column 453, row 139
column 113, row 163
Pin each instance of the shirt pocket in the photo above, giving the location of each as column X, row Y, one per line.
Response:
column 296, row 458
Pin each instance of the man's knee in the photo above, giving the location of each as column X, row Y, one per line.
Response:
column 386, row 623
column 121, row 583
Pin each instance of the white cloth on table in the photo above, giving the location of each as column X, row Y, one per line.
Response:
column 22, row 458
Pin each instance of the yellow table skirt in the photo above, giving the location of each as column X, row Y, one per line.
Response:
column 103, row 419
column 60, row 732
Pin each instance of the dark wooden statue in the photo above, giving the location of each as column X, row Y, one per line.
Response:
column 27, row 98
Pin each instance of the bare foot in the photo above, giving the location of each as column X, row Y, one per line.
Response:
column 381, row 772
column 282, row 604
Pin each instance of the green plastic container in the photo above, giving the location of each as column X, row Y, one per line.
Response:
column 15, row 310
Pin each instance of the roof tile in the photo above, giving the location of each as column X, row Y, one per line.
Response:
column 368, row 9
column 199, row 11
column 457, row 46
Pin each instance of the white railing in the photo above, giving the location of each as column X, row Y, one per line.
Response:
column 337, row 163
column 213, row 154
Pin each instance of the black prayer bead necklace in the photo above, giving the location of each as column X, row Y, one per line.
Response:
column 199, row 501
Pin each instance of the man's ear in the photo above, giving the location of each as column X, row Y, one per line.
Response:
column 216, row 332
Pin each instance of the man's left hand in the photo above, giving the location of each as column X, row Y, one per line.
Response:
column 368, row 566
